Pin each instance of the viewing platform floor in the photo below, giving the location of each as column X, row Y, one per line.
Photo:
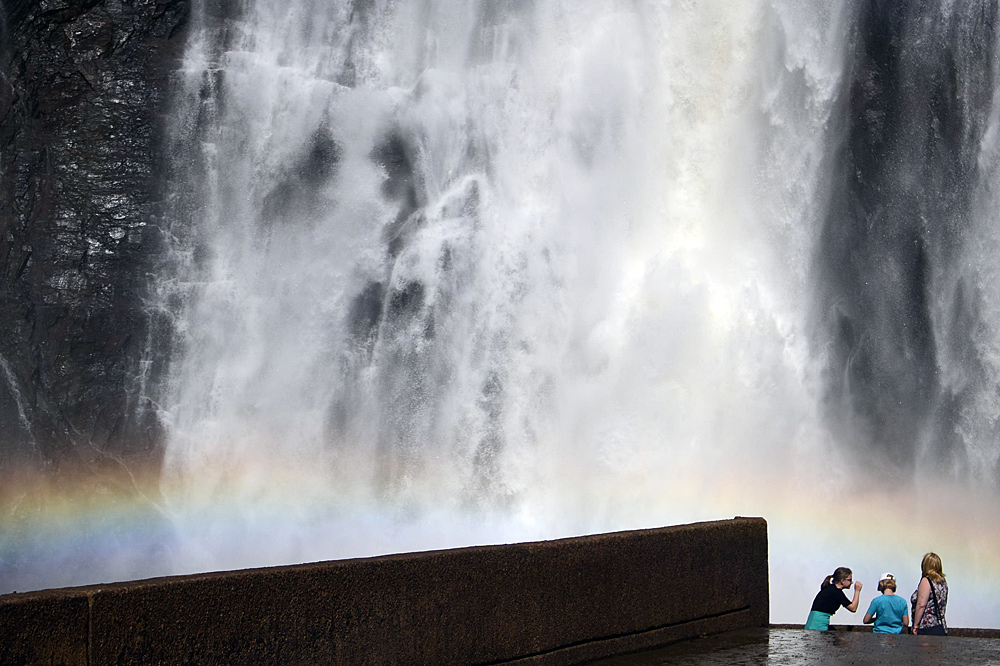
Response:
column 784, row 646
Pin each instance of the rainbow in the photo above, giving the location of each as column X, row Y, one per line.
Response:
column 84, row 535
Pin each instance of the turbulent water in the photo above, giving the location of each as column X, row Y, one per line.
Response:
column 445, row 272
column 516, row 262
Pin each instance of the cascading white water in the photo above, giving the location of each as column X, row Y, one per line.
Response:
column 459, row 272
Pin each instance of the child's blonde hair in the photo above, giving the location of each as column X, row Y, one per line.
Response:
column 887, row 584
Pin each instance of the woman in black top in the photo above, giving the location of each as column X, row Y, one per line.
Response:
column 831, row 597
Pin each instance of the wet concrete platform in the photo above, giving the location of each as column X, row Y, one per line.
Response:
column 795, row 646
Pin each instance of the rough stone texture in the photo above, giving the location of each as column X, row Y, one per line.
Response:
column 83, row 90
column 556, row 602
column 44, row 628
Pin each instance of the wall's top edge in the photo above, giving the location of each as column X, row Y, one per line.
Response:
column 88, row 590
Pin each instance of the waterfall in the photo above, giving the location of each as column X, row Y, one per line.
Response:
column 526, row 261
column 441, row 273
column 454, row 272
column 449, row 273
column 904, row 276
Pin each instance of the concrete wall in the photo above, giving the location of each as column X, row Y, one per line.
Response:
column 552, row 602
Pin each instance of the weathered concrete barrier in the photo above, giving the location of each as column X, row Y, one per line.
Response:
column 550, row 602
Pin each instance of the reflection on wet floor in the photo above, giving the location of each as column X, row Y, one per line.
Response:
column 795, row 646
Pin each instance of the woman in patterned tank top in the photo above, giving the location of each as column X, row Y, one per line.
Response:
column 930, row 599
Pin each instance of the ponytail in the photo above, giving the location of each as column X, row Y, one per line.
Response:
column 838, row 575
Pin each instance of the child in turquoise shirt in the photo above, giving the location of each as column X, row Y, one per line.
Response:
column 887, row 612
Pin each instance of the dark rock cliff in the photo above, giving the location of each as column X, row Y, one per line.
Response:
column 917, row 104
column 82, row 99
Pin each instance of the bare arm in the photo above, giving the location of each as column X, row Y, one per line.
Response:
column 853, row 607
column 906, row 621
column 923, row 594
column 869, row 618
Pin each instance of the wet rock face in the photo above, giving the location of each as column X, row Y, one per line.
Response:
column 82, row 100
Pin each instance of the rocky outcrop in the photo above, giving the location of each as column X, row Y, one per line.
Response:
column 82, row 99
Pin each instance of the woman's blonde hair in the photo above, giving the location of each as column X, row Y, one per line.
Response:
column 930, row 567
